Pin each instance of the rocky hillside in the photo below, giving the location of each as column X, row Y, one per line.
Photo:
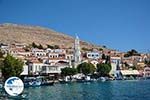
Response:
column 13, row 33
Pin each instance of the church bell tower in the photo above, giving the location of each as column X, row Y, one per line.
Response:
column 77, row 53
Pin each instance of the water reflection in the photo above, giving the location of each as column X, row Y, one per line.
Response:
column 115, row 90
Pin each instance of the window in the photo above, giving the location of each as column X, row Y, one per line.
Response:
column 89, row 55
column 67, row 57
column 35, row 68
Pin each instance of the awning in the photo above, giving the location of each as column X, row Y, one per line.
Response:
column 130, row 72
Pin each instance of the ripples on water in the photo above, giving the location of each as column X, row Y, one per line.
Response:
column 114, row 90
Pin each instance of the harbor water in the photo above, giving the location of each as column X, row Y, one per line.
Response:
column 111, row 90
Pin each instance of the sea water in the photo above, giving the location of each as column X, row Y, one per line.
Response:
column 111, row 90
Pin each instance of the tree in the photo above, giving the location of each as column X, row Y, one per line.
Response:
column 100, row 49
column 1, row 59
column 87, row 49
column 40, row 46
column 56, row 47
column 86, row 68
column 104, row 46
column 103, row 56
column 132, row 52
column 147, row 62
column 107, row 59
column 11, row 67
column 34, row 45
column 49, row 46
column 68, row 71
column 103, row 69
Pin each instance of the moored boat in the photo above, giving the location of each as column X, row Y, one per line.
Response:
column 37, row 81
column 47, row 83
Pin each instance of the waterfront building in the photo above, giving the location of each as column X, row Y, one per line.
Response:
column 115, row 65
column 35, row 66
column 54, row 68
column 25, row 71
column 128, row 74
column 146, row 72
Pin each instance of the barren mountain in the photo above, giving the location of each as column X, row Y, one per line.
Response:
column 13, row 33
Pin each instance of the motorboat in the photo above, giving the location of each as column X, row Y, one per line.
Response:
column 37, row 81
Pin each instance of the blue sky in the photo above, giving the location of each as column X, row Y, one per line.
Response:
column 118, row 24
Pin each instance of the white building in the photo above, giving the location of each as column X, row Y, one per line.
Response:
column 38, row 52
column 146, row 72
column 93, row 55
column 53, row 55
column 48, row 50
column 25, row 70
column 77, row 53
column 69, row 56
column 54, row 68
column 115, row 64
column 26, row 54
column 4, row 48
column 35, row 67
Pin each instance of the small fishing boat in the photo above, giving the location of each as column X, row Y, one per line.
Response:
column 66, row 80
column 32, row 82
column 103, row 79
column 36, row 82
column 85, row 79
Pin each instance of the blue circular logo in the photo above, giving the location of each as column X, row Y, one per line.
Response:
column 14, row 86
